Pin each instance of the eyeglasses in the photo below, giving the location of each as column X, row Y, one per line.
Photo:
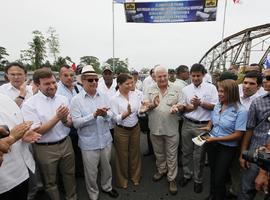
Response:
column 91, row 80
column 266, row 78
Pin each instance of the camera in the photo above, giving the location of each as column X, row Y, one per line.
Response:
column 260, row 157
column 5, row 127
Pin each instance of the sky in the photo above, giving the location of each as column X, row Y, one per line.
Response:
column 85, row 29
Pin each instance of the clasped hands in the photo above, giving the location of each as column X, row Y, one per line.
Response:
column 101, row 112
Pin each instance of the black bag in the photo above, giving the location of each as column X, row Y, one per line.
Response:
column 143, row 121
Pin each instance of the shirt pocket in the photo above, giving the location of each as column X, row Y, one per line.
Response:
column 229, row 120
column 207, row 98
column 172, row 99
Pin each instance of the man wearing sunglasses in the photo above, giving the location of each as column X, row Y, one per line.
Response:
column 256, row 136
column 91, row 116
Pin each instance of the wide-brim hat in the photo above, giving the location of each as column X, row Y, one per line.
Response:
column 88, row 70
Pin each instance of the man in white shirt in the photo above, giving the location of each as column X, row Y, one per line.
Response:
column 107, row 86
column 182, row 75
column 250, row 88
column 69, row 89
column 201, row 98
column 149, row 80
column 14, row 171
column 138, row 83
column 54, row 150
column 91, row 116
column 17, row 88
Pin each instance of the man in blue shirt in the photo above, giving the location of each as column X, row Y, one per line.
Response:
column 91, row 116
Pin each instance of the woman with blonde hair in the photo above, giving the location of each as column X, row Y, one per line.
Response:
column 227, row 125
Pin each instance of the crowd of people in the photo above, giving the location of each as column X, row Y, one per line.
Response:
column 53, row 130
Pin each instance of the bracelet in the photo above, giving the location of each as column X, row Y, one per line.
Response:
column 21, row 97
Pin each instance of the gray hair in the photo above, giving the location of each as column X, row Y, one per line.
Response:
column 159, row 68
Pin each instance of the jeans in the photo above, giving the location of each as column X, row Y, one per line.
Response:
column 248, row 190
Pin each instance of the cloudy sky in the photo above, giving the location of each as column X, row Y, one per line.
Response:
column 85, row 28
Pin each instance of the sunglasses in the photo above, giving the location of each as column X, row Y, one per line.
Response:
column 266, row 78
column 91, row 80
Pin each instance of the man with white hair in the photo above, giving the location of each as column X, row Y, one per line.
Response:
column 91, row 116
column 163, row 100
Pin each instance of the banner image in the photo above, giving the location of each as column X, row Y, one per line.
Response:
column 171, row 11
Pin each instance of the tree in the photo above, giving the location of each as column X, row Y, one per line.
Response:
column 144, row 70
column 120, row 66
column 53, row 43
column 91, row 60
column 3, row 53
column 3, row 60
column 36, row 52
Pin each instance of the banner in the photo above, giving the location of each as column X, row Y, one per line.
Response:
column 171, row 11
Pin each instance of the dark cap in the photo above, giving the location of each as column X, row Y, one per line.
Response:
column 171, row 71
column 134, row 72
column 227, row 75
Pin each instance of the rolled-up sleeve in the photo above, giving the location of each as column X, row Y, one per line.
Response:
column 80, row 121
column 241, row 120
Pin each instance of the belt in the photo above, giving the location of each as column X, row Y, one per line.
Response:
column 127, row 128
column 196, row 122
column 52, row 143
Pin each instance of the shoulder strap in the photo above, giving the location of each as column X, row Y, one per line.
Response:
column 76, row 89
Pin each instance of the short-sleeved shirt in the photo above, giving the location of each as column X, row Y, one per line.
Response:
column 258, row 114
column 207, row 93
column 233, row 118
column 161, row 121
column 40, row 109
column 13, row 92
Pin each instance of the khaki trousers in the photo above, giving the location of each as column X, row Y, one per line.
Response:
column 128, row 155
column 166, row 151
column 52, row 157
column 91, row 160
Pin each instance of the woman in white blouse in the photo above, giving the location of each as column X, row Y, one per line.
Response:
column 125, row 106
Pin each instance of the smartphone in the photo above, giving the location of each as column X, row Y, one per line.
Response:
column 205, row 135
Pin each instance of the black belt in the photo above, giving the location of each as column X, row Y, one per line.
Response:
column 196, row 122
column 52, row 143
column 127, row 128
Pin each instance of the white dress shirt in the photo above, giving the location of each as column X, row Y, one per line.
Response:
column 14, row 169
column 119, row 105
column 13, row 92
column 102, row 88
column 260, row 92
column 39, row 109
column 148, row 82
column 94, row 133
column 246, row 102
column 63, row 90
column 139, row 85
column 207, row 93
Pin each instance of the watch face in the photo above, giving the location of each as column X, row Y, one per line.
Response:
column 268, row 119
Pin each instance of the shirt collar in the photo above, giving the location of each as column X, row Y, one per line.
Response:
column 85, row 94
column 250, row 97
column 11, row 87
column 200, row 86
column 44, row 96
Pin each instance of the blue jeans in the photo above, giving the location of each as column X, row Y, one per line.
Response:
column 248, row 191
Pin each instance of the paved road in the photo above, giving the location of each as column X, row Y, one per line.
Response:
column 148, row 190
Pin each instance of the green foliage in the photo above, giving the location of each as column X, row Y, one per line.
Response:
column 36, row 52
column 144, row 70
column 3, row 61
column 53, row 43
column 120, row 66
column 91, row 60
